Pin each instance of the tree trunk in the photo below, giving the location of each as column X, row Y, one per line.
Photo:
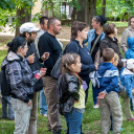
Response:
column 23, row 15
column 104, row 7
column 87, row 12
column 81, row 13
column 73, row 15
column 92, row 11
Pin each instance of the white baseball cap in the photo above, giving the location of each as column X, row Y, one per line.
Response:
column 130, row 64
column 28, row 27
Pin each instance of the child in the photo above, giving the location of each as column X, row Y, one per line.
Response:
column 107, row 83
column 130, row 55
column 72, row 94
column 130, row 52
column 127, row 80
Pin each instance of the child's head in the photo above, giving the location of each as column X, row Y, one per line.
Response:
column 116, row 59
column 130, row 64
column 108, row 55
column 71, row 63
column 130, row 42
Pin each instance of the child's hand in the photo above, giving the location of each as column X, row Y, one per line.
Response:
column 102, row 95
column 43, row 71
column 98, row 101
column 121, row 92
column 75, row 101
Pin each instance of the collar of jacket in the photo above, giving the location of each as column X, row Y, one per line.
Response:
column 111, row 39
column 76, row 41
column 11, row 56
column 130, row 28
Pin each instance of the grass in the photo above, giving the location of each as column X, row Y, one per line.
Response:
column 91, row 119
column 119, row 23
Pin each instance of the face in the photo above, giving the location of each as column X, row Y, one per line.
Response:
column 56, row 27
column 23, row 50
column 115, row 31
column 83, row 34
column 44, row 26
column 95, row 24
column 132, row 23
column 77, row 67
column 31, row 37
column 115, row 63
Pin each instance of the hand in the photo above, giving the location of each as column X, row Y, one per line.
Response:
column 43, row 71
column 98, row 101
column 102, row 95
column 96, row 66
column 31, row 58
column 124, row 64
column 75, row 101
column 29, row 103
column 45, row 56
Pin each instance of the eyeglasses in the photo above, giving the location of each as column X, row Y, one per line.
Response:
column 25, row 46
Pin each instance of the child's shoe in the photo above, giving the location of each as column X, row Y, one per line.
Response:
column 96, row 106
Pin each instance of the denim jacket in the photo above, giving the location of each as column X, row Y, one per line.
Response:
column 91, row 36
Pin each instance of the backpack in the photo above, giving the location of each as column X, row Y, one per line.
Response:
column 56, row 71
column 5, row 87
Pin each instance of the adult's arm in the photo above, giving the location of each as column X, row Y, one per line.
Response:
column 124, row 40
column 44, row 46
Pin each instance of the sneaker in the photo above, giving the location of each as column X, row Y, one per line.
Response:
column 132, row 119
column 57, row 132
column 45, row 115
column 96, row 106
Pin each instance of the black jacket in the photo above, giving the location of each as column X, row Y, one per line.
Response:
column 68, row 89
column 108, row 42
column 31, row 50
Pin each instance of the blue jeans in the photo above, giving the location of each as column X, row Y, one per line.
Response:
column 43, row 103
column 74, row 122
column 95, row 94
column 6, row 101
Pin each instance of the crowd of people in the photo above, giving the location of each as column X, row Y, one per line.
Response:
column 31, row 57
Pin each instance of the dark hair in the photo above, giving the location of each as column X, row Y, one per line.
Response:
column 77, row 26
column 109, row 28
column 16, row 43
column 100, row 19
column 67, row 61
column 51, row 21
column 107, row 54
column 42, row 19
column 131, row 17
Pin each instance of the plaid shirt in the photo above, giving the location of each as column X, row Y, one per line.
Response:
column 21, row 78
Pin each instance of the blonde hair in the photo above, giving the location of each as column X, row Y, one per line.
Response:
column 116, row 57
column 67, row 61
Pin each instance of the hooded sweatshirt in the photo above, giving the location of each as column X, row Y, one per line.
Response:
column 127, row 78
column 130, row 51
column 106, row 78
column 19, row 76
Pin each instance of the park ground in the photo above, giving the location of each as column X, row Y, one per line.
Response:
column 91, row 117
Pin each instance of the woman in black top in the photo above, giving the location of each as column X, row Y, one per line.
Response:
column 79, row 34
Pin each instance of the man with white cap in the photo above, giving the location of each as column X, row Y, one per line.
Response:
column 29, row 31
